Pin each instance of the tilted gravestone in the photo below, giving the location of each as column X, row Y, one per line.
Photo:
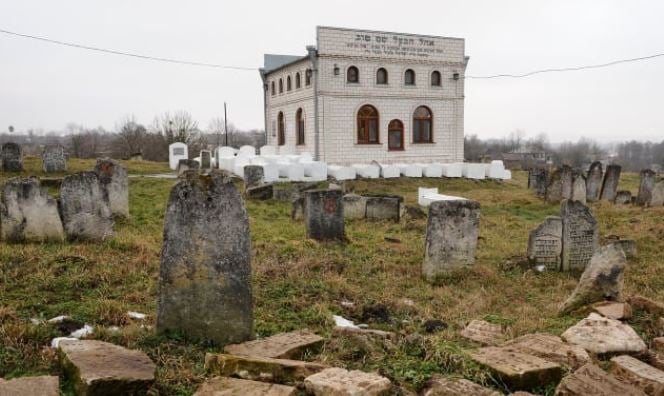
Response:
column 580, row 235
column 545, row 244
column 579, row 189
column 12, row 157
column 610, row 183
column 254, row 176
column 54, row 158
column 451, row 237
column 646, row 185
column 324, row 215
column 84, row 208
column 537, row 179
column 28, row 213
column 115, row 184
column 567, row 181
column 594, row 181
column 559, row 186
column 623, row 197
column 657, row 194
column 206, row 159
column 205, row 275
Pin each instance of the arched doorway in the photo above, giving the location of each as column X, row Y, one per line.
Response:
column 280, row 129
column 395, row 135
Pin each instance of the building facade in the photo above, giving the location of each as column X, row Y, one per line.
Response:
column 359, row 96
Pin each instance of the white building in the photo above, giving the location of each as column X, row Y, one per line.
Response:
column 360, row 95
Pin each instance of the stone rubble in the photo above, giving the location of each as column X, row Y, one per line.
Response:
column 483, row 332
column 441, row 386
column 549, row 347
column 591, row 380
column 30, row 386
column 281, row 371
column 518, row 370
column 291, row 345
column 340, row 382
column 636, row 373
column 223, row 386
column 604, row 336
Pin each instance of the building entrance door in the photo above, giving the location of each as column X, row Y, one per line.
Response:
column 395, row 135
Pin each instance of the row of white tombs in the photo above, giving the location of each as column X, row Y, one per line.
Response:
column 284, row 164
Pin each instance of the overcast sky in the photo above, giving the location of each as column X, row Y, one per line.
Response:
column 46, row 86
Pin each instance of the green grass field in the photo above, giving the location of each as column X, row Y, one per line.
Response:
column 300, row 283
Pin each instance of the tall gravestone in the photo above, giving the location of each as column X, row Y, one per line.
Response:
column 54, row 158
column 12, row 157
column 580, row 235
column 545, row 244
column 610, row 183
column 657, row 194
column 28, row 213
column 554, row 187
column 579, row 192
column 567, row 181
column 205, row 275
column 206, row 159
column 537, row 179
column 324, row 215
column 84, row 208
column 646, row 185
column 594, row 181
column 451, row 237
column 115, row 184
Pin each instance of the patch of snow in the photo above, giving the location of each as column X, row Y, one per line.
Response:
column 86, row 330
column 340, row 321
column 58, row 319
column 136, row 315
column 55, row 343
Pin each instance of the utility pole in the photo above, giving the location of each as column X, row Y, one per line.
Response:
column 225, row 124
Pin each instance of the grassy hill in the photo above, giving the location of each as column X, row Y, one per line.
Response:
column 300, row 283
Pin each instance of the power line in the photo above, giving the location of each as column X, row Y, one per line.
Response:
column 114, row 52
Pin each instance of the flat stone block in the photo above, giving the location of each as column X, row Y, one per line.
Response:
column 31, row 386
column 613, row 310
column 603, row 336
column 291, row 345
column 441, row 386
column 641, row 375
column 221, row 386
column 281, row 371
column 340, row 382
column 518, row 370
column 591, row 380
column 550, row 348
column 483, row 332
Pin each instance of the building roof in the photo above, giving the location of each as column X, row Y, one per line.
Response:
column 272, row 62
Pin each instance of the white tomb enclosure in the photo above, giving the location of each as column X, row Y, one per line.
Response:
column 270, row 171
column 316, row 170
column 240, row 163
column 341, row 172
column 495, row 170
column 368, row 171
column 287, row 150
column 227, row 164
column 507, row 175
column 293, row 171
column 176, row 152
column 422, row 192
column 247, row 152
column 453, row 169
column 426, row 196
column 474, row 171
column 410, row 170
column 268, row 150
column 388, row 171
column 432, row 170
column 305, row 157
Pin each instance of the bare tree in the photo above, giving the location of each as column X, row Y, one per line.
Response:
column 131, row 135
column 177, row 127
column 217, row 128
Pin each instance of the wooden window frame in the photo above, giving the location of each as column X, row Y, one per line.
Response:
column 403, row 132
column 365, row 119
column 418, row 120
column 299, row 126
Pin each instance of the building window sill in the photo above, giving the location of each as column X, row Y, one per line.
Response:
column 369, row 144
column 432, row 142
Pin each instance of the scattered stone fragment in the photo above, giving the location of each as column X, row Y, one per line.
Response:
column 483, row 332
column 324, row 215
column 115, row 184
column 222, row 386
column 594, row 181
column 205, row 275
column 54, row 158
column 84, row 208
column 376, row 313
column 602, row 280
column 100, row 368
column 559, row 185
column 537, row 180
column 610, row 183
column 291, row 345
column 355, row 206
column 639, row 374
column 545, row 244
column 550, row 348
column 645, row 304
column 613, row 310
column 518, row 370
column 623, row 197
column 354, row 331
column 281, row 371
column 31, row 386
column 604, row 336
column 658, row 344
column 386, row 207
column 340, row 382
column 591, row 380
column 434, row 325
column 441, row 386
column 262, row 192
column 580, row 235
column 11, row 157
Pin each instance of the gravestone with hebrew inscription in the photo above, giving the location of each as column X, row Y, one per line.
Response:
column 205, row 276
column 646, row 185
column 54, row 158
column 84, row 208
column 324, row 215
column 594, row 181
column 566, row 181
column 580, row 235
column 554, row 187
column 115, row 184
column 610, row 183
column 545, row 244
column 11, row 155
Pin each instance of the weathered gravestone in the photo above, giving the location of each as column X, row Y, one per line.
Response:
column 559, row 185
column 12, row 157
column 594, row 181
column 206, row 159
column 580, row 235
column 537, row 179
column 610, row 184
column 579, row 189
column 205, row 275
column 115, row 185
column 28, row 213
column 324, row 215
column 84, row 208
column 254, row 176
column 355, row 206
column 451, row 237
column 623, row 197
column 646, row 186
column 54, row 158
column 657, row 198
column 567, row 181
column 545, row 244
column 386, row 207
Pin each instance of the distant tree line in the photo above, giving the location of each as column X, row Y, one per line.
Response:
column 130, row 137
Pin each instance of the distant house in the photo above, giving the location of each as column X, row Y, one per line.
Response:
column 520, row 159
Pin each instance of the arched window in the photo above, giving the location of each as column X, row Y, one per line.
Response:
column 381, row 76
column 367, row 125
column 436, row 79
column 307, row 77
column 422, row 125
column 352, row 75
column 409, row 77
column 299, row 126
column 281, row 85
column 281, row 133
column 288, row 83
column 297, row 80
column 274, row 91
column 395, row 135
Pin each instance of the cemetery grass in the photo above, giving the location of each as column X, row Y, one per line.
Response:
column 374, row 278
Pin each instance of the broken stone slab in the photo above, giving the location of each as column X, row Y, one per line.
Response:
column 11, row 157
column 518, row 370
column 483, row 332
column 623, row 197
column 54, row 158
column 28, row 213
column 604, row 336
column 281, row 371
column 545, row 244
column 645, row 304
column 591, row 380
column 324, row 215
column 340, row 382
column 31, row 386
column 602, row 280
column 262, row 192
column 85, row 212
column 100, row 368
column 386, row 207
column 537, row 180
column 355, row 206
column 441, row 386
column 580, row 235
column 354, row 331
column 646, row 185
column 610, row 183
column 293, row 345
column 549, row 347
column 594, row 181
column 639, row 374
column 185, row 165
column 613, row 310
column 205, row 274
column 222, row 386
column 115, row 184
